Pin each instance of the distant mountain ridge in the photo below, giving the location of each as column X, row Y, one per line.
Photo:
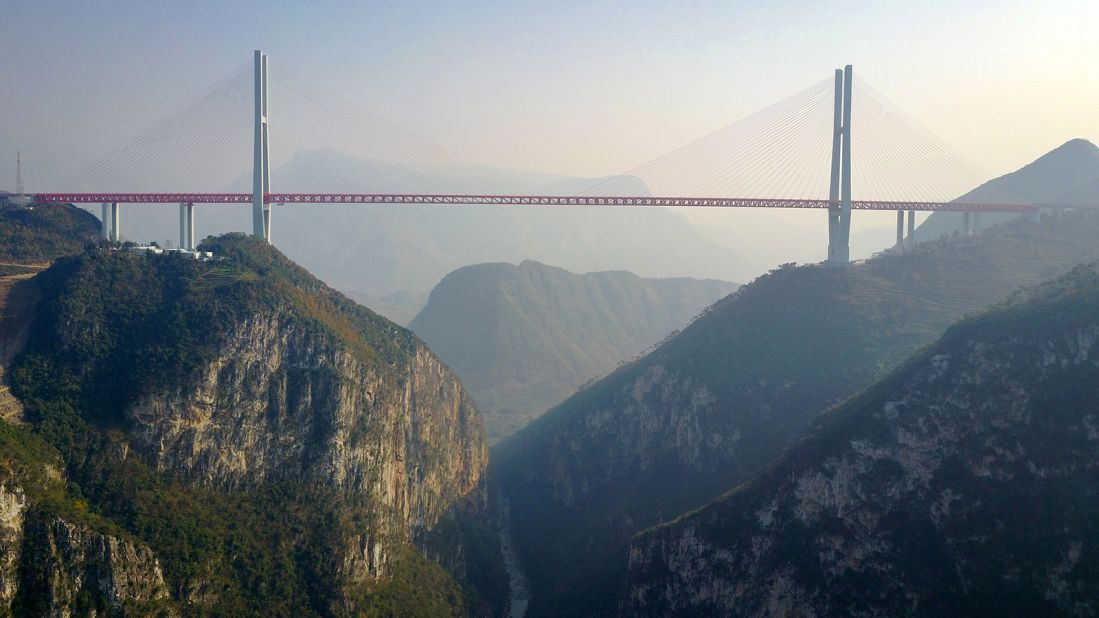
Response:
column 523, row 337
column 1068, row 174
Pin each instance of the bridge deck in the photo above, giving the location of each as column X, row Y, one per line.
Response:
column 519, row 200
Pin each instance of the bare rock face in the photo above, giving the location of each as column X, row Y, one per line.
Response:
column 964, row 483
column 51, row 567
column 283, row 403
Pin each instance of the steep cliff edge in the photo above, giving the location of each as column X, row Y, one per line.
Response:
column 277, row 445
column 966, row 482
column 56, row 558
column 716, row 404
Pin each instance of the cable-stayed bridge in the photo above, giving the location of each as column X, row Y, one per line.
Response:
column 798, row 153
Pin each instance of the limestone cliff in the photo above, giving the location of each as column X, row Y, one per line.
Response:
column 282, row 403
column 964, row 483
column 55, row 560
column 279, row 446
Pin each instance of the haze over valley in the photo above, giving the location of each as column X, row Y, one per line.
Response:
column 533, row 311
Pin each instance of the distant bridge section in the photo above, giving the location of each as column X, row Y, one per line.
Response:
column 523, row 200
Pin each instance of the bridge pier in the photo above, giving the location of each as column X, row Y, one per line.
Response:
column 187, row 226
column 968, row 223
column 900, row 229
column 105, row 228
column 911, row 228
column 116, row 223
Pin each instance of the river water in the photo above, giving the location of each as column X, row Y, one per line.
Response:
column 518, row 585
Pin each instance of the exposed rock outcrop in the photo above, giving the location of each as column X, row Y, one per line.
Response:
column 282, row 403
column 52, row 567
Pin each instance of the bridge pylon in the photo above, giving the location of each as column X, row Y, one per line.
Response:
column 261, row 162
column 839, row 189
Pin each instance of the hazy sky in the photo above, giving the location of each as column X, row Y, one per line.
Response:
column 569, row 87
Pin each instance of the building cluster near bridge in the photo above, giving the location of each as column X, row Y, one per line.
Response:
column 202, row 256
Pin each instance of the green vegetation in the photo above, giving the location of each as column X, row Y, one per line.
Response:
column 113, row 326
column 524, row 337
column 717, row 403
column 44, row 232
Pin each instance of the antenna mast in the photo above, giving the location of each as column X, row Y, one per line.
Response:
column 19, row 173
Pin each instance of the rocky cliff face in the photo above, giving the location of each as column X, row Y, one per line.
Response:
column 50, row 566
column 282, row 403
column 965, row 482
column 278, row 445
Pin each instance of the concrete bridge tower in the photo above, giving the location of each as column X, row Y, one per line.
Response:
column 839, row 189
column 261, row 162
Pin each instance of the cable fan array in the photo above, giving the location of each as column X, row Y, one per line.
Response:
column 322, row 142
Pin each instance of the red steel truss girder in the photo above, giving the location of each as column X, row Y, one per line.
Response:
column 146, row 198
column 518, row 200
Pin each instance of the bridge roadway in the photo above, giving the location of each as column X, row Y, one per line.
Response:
column 520, row 200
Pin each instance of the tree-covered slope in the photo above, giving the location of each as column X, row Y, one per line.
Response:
column 276, row 446
column 524, row 337
column 964, row 483
column 714, row 405
column 43, row 232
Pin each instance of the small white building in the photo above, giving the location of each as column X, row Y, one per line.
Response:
column 145, row 249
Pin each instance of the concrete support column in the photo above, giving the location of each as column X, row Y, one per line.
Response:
column 191, row 226
column 900, row 229
column 968, row 223
column 187, row 226
column 911, row 228
column 116, row 222
column 183, row 226
column 105, row 230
